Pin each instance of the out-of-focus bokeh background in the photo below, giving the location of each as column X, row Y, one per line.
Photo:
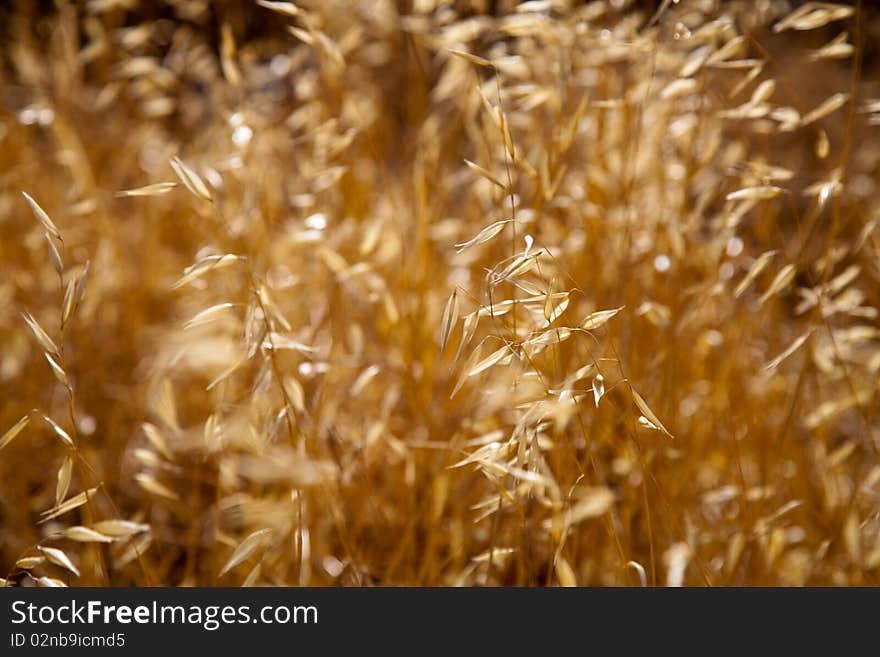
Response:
column 439, row 293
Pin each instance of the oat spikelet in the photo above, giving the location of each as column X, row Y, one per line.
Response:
column 599, row 318
column 155, row 189
column 449, row 319
column 54, row 256
column 485, row 235
column 59, row 558
column 149, row 483
column 757, row 267
column 57, row 370
column 42, row 217
column 50, row 583
column 191, row 180
column 61, row 433
column 41, row 336
column 69, row 505
column 285, row 8
column 85, row 535
column 246, row 548
column 648, row 413
column 493, row 359
column 62, row 484
column 813, row 15
column 762, row 193
column 598, row 387
column 783, row 278
column 120, row 528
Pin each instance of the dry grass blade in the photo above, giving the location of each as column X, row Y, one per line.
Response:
column 473, row 59
column 59, row 558
column 155, row 189
column 648, row 413
column 793, row 347
column 14, row 431
column 485, row 173
column 43, row 218
column 246, row 548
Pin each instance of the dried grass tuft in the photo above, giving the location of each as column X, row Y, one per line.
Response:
column 435, row 289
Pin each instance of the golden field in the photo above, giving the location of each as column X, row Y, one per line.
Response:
column 439, row 293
